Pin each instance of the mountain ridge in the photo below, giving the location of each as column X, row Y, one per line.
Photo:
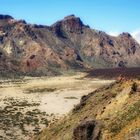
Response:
column 68, row 44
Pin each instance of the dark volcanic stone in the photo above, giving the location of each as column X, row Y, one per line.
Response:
column 70, row 24
column 5, row 17
column 125, row 35
column 87, row 130
column 121, row 64
column 73, row 24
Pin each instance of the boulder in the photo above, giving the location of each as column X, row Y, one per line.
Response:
column 87, row 130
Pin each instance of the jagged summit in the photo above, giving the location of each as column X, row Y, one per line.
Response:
column 70, row 17
column 70, row 24
column 125, row 34
column 73, row 18
column 5, row 17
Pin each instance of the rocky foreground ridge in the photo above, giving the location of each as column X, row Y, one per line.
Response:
column 109, row 113
column 66, row 45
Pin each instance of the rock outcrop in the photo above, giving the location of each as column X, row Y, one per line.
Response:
column 87, row 130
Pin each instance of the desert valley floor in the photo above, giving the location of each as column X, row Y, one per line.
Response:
column 28, row 105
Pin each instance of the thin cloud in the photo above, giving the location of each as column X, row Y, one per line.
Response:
column 136, row 35
column 113, row 33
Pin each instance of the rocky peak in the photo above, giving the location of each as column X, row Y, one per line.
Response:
column 71, row 24
column 69, row 17
column 21, row 21
column 5, row 17
column 74, row 19
column 125, row 35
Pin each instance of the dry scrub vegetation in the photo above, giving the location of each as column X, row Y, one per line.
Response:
column 116, row 107
column 29, row 105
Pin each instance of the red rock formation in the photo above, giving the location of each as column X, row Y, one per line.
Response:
column 67, row 44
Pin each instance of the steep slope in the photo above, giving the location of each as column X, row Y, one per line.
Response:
column 109, row 113
column 96, row 48
column 66, row 45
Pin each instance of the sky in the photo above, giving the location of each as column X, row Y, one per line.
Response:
column 111, row 16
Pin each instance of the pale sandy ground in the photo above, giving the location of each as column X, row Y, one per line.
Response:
column 67, row 93
column 56, row 102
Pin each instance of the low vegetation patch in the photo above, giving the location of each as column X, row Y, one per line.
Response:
column 124, row 118
column 70, row 97
column 40, row 90
column 21, row 117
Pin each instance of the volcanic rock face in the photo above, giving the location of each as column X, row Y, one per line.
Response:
column 87, row 130
column 67, row 44
column 5, row 17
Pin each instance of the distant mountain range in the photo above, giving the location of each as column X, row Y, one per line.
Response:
column 66, row 45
